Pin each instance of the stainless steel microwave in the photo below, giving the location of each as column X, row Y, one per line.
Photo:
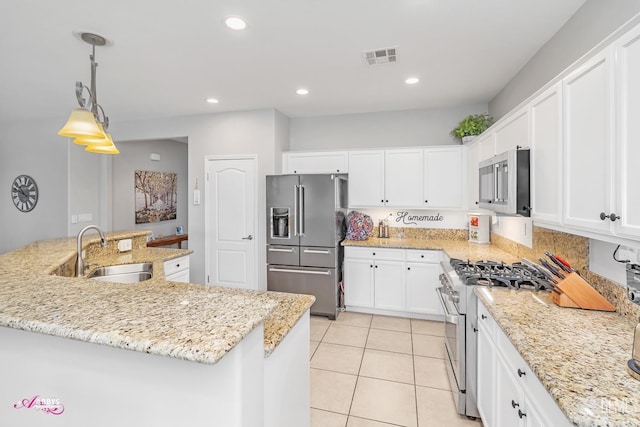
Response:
column 505, row 183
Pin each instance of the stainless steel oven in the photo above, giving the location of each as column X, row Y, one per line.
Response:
column 460, row 339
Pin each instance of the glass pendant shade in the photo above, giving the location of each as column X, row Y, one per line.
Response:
column 108, row 148
column 89, row 140
column 82, row 123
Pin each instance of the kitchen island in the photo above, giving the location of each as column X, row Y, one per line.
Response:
column 196, row 354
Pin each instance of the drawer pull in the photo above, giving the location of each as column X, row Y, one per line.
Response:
column 514, row 405
column 483, row 316
column 521, row 414
column 286, row 270
column 280, row 250
column 316, row 251
column 521, row 373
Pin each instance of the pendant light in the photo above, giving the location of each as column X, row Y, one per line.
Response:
column 88, row 124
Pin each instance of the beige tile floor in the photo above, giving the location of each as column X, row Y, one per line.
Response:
column 379, row 371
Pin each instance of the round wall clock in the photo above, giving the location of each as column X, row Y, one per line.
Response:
column 24, row 193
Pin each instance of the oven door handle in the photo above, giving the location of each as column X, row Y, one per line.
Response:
column 449, row 318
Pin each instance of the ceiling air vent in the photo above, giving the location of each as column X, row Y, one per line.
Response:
column 380, row 56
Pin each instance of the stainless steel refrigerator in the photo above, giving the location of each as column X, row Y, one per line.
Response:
column 306, row 217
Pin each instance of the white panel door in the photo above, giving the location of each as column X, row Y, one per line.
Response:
column 546, row 156
column 588, row 144
column 366, row 178
column 444, row 177
column 231, row 223
column 628, row 149
column 403, row 178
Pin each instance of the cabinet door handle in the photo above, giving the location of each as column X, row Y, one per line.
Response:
column 475, row 329
column 376, row 266
column 483, row 316
column 408, row 268
column 521, row 373
column 612, row 216
column 426, row 201
column 514, row 405
column 521, row 414
column 371, row 266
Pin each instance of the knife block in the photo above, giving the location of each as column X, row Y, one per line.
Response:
column 577, row 293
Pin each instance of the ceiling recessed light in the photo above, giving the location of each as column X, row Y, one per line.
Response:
column 412, row 80
column 302, row 91
column 235, row 23
column 212, row 101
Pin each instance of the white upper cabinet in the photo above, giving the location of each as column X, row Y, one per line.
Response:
column 628, row 131
column 366, row 178
column 546, row 156
column 322, row 162
column 588, row 143
column 421, row 178
column 403, row 177
column 513, row 132
column 445, row 175
column 486, row 145
column 473, row 187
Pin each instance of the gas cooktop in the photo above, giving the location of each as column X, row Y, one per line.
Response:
column 493, row 273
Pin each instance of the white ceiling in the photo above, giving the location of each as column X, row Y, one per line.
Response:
column 167, row 56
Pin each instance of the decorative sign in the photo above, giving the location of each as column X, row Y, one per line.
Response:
column 405, row 218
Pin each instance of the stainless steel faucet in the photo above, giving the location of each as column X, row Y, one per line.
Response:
column 80, row 261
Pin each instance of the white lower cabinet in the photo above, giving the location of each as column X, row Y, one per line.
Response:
column 509, row 394
column 392, row 280
column 388, row 292
column 177, row 270
column 422, row 279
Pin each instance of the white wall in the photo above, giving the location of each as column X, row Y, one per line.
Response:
column 135, row 155
column 86, row 192
column 249, row 132
column 38, row 151
column 382, row 129
column 591, row 24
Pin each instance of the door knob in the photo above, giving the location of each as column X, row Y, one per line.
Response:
column 249, row 237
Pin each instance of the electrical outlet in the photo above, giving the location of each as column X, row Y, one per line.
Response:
column 628, row 253
column 124, row 245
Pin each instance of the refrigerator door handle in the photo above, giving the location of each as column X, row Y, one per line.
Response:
column 301, row 205
column 286, row 270
column 295, row 210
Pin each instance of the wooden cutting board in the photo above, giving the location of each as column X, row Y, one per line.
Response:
column 582, row 294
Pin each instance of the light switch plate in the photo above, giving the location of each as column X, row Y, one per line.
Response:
column 124, row 245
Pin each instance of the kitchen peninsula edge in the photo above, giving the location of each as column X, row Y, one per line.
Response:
column 231, row 331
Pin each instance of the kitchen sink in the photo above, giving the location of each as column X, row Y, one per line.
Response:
column 123, row 273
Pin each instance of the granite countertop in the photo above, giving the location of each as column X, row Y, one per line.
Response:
column 461, row 249
column 181, row 320
column 580, row 356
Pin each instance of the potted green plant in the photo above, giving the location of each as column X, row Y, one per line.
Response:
column 472, row 126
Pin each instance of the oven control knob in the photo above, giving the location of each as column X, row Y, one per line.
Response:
column 455, row 297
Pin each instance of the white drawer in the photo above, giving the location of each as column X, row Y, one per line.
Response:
column 418, row 255
column 175, row 265
column 374, row 253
